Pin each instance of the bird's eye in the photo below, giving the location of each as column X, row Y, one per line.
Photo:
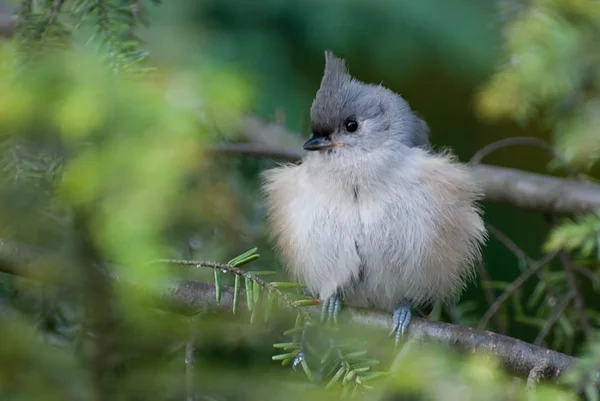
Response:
column 351, row 125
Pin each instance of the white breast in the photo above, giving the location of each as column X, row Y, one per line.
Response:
column 315, row 223
column 411, row 231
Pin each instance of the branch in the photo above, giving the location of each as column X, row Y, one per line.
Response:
column 536, row 191
column 517, row 356
column 504, row 185
column 189, row 297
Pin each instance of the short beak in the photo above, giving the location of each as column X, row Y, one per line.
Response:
column 317, row 143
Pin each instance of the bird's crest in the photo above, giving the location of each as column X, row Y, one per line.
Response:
column 333, row 93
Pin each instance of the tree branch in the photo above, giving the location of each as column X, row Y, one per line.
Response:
column 504, row 185
column 189, row 297
column 517, row 356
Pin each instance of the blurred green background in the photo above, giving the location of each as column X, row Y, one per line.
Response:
column 437, row 55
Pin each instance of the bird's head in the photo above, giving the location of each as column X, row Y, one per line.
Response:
column 348, row 113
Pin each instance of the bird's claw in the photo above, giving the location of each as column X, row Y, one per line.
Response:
column 400, row 321
column 330, row 309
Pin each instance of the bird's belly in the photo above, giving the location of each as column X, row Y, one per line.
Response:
column 392, row 246
column 325, row 257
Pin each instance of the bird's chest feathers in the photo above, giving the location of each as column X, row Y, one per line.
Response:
column 349, row 225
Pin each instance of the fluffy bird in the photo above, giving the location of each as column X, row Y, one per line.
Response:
column 371, row 215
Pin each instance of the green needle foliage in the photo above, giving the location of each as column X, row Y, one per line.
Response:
column 45, row 26
column 551, row 72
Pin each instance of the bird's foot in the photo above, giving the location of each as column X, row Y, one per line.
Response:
column 401, row 320
column 330, row 309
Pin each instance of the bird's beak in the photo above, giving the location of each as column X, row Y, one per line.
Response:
column 317, row 142
column 320, row 142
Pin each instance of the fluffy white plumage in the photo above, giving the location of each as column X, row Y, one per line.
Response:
column 381, row 219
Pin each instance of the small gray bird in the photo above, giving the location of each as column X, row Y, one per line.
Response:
column 371, row 214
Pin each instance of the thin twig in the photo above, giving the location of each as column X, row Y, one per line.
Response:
column 489, row 296
column 524, row 259
column 578, row 303
column 556, row 314
column 584, row 271
column 514, row 286
column 521, row 140
column 221, row 266
column 508, row 142
column 510, row 245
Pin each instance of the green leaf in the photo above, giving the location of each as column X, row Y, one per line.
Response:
column 307, row 370
column 263, row 273
column 281, row 357
column 293, row 331
column 236, row 294
column 256, row 294
column 285, row 284
column 566, row 326
column 284, row 345
column 299, row 325
column 249, row 298
column 517, row 304
column 536, row 295
column 218, row 285
column 338, row 375
column 495, row 285
column 270, row 304
column 355, row 355
column 326, row 356
column 349, row 376
column 245, row 261
column 237, row 259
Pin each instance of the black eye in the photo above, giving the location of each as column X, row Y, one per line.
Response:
column 351, row 125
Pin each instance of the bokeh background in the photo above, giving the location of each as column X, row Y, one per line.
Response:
column 101, row 172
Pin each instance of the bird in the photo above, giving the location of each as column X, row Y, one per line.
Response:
column 372, row 216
